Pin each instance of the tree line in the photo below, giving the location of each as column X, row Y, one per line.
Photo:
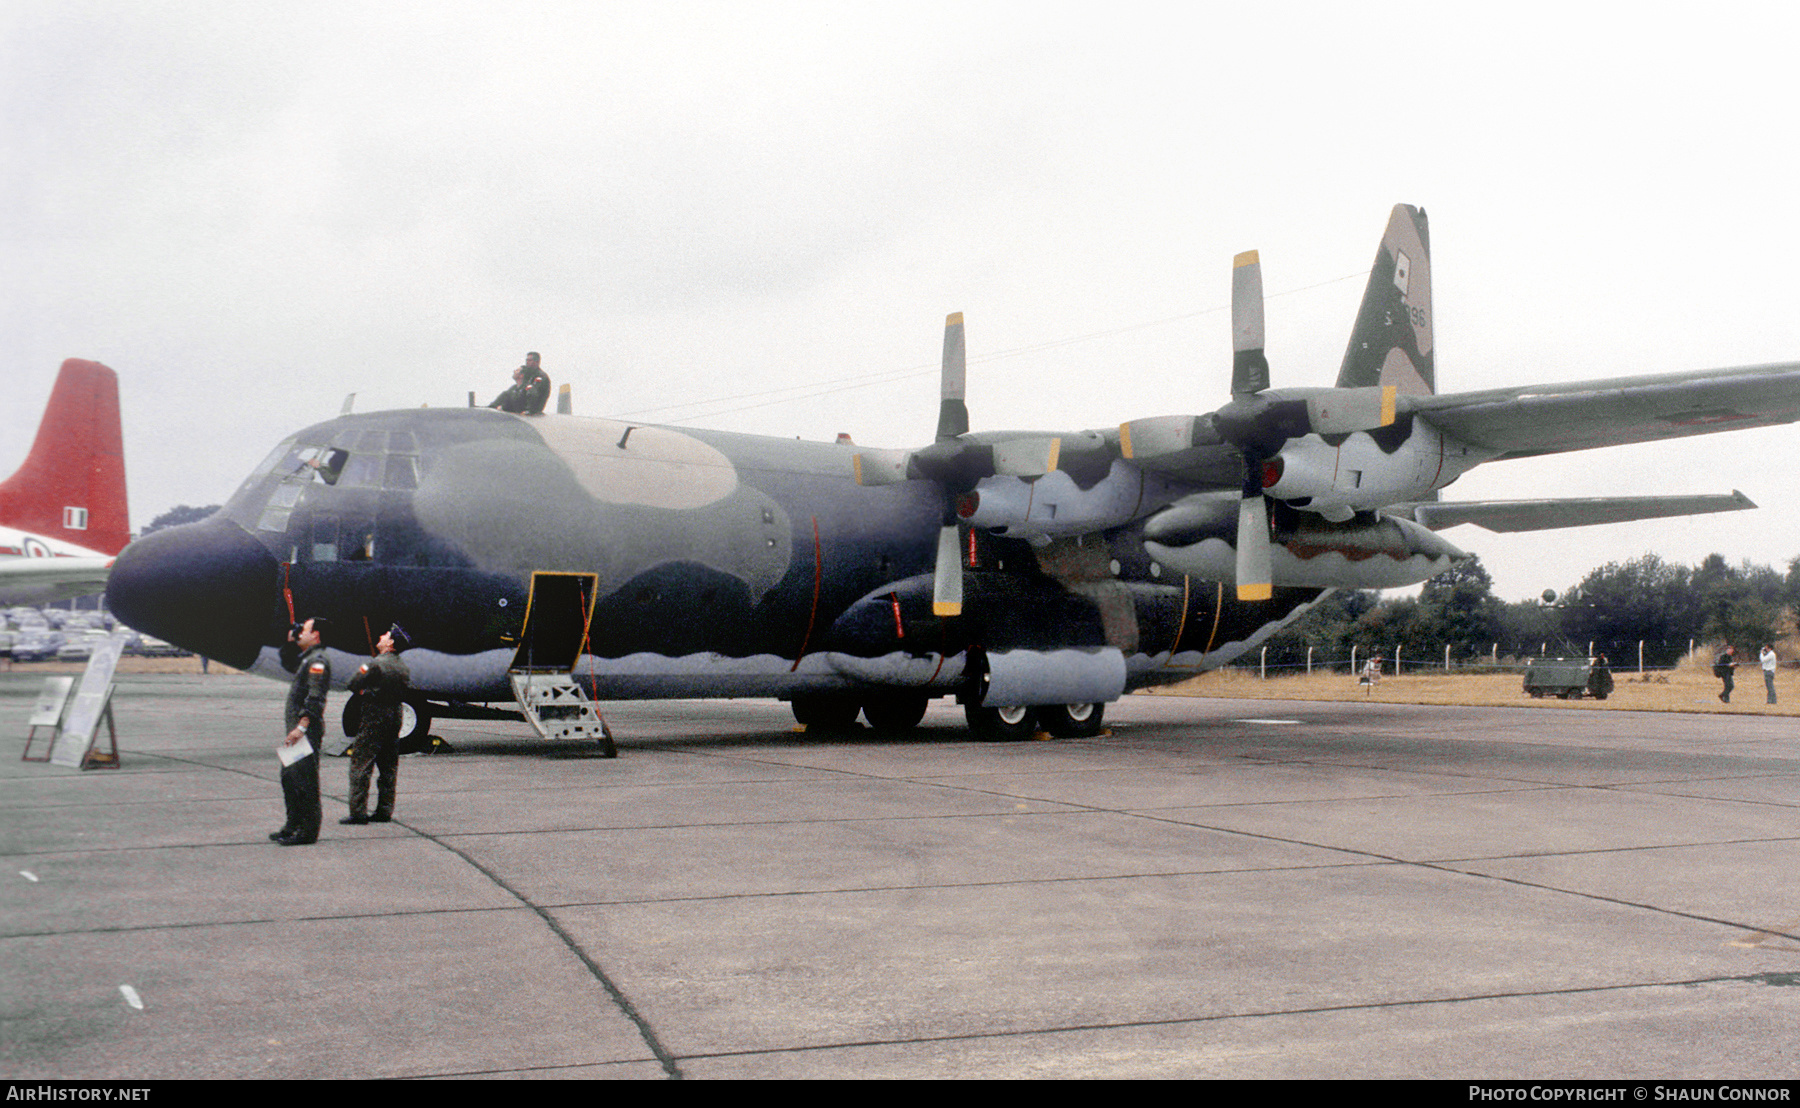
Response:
column 1615, row 607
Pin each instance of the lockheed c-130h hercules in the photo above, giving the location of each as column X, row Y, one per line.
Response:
column 1035, row 577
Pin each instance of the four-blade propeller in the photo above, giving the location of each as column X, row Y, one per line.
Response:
column 956, row 463
column 1257, row 422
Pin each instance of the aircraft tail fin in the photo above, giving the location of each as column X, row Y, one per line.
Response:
column 72, row 484
column 1392, row 342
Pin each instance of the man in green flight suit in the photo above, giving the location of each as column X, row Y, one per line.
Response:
column 381, row 682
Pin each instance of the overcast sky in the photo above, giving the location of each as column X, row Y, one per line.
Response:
column 754, row 216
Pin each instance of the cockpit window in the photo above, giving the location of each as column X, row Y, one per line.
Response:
column 361, row 472
column 268, row 464
column 330, row 463
column 402, row 472
column 281, row 506
column 324, row 540
column 355, row 459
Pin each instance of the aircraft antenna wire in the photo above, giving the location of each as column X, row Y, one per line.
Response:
column 893, row 376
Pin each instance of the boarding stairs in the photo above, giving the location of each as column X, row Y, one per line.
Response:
column 557, row 708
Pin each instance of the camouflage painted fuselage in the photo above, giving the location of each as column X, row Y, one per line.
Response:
column 723, row 565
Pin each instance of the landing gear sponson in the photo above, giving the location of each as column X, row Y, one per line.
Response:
column 899, row 712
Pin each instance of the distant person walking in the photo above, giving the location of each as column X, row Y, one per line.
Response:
column 382, row 684
column 1723, row 667
column 306, row 725
column 1768, row 659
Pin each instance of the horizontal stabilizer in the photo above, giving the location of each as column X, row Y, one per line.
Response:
column 1545, row 515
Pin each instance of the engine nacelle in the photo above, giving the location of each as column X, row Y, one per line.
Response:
column 1198, row 537
column 1359, row 475
column 1055, row 505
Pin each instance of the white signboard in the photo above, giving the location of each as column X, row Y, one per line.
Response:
column 90, row 701
column 49, row 708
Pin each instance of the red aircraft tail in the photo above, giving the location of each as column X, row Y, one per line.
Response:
column 72, row 485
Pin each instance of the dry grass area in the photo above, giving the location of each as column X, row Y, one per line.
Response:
column 1689, row 688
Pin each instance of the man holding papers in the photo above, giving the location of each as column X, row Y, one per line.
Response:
column 299, row 751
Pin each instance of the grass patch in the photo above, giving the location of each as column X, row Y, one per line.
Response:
column 1690, row 688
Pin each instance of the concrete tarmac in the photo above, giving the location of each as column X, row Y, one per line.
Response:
column 1218, row 888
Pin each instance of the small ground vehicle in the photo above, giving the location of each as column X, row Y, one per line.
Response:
column 1568, row 678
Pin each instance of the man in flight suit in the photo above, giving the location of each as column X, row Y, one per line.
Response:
column 530, row 389
column 382, row 683
column 305, row 720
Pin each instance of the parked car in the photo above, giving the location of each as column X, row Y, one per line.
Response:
column 79, row 645
column 152, row 647
column 36, row 645
column 23, row 618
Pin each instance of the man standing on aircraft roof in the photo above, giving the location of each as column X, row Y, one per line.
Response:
column 382, row 682
column 530, row 389
column 305, row 724
column 1767, row 657
column 1723, row 666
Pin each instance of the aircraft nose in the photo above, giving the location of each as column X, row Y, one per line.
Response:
column 207, row 587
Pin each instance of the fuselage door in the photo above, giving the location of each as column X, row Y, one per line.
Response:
column 556, row 620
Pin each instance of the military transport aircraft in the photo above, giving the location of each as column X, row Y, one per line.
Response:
column 1035, row 577
column 63, row 513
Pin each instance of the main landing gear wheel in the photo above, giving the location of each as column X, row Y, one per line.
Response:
column 894, row 713
column 1072, row 721
column 825, row 712
column 1000, row 724
column 415, row 723
column 415, row 726
column 352, row 714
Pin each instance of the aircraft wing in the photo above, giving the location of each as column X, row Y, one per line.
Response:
column 1547, row 419
column 39, row 580
column 1544, row 515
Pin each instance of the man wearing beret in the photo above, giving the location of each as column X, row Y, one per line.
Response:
column 381, row 683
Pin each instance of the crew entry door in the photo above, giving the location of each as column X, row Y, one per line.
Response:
column 556, row 620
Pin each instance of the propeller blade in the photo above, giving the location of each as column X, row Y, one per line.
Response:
column 1249, row 368
column 953, row 413
column 1254, row 568
column 1031, row 457
column 881, row 467
column 1340, row 411
column 946, row 580
column 1158, row 435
